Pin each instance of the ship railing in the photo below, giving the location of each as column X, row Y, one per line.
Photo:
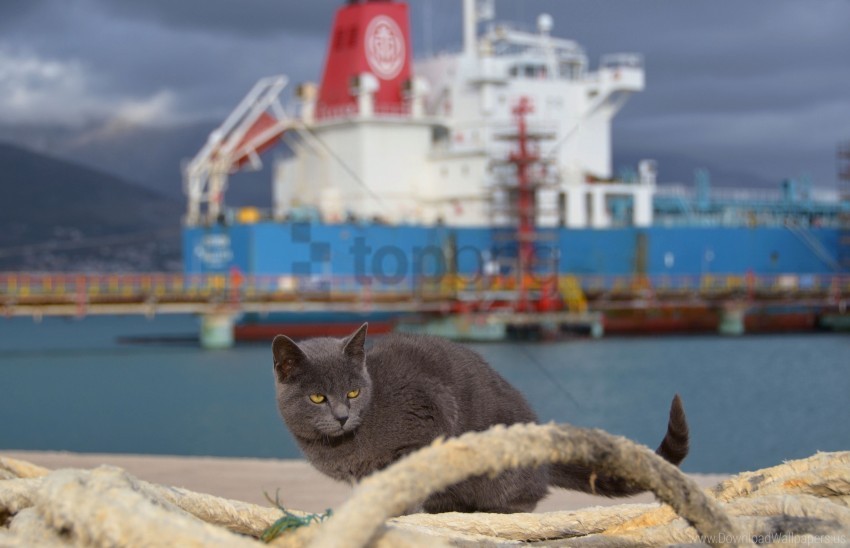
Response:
column 36, row 289
column 140, row 287
column 633, row 284
column 512, row 38
column 715, row 283
column 746, row 195
column 119, row 286
column 336, row 112
column 743, row 197
column 535, row 129
column 674, row 191
column 379, row 110
column 743, row 218
column 824, row 195
column 400, row 109
column 621, row 60
column 328, row 287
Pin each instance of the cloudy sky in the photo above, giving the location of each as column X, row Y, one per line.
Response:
column 758, row 85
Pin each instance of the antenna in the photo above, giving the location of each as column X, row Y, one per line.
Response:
column 470, row 28
column 428, row 24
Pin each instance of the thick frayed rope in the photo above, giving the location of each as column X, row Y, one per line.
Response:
column 799, row 502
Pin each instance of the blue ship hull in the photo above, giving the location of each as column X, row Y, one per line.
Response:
column 355, row 258
column 398, row 254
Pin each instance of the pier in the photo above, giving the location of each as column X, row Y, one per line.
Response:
column 455, row 306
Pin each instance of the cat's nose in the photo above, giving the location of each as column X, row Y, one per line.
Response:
column 342, row 420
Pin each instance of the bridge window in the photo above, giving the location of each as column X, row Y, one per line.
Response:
column 529, row 71
column 569, row 71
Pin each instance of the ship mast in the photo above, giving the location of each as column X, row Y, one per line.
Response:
column 522, row 158
column 470, row 23
column 536, row 249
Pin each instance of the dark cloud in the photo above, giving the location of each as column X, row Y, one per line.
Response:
column 11, row 11
column 116, row 58
column 759, row 85
column 254, row 18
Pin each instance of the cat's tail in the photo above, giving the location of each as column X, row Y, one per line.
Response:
column 673, row 448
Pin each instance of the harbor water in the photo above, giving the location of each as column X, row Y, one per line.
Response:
column 135, row 385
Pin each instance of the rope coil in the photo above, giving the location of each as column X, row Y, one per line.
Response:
column 799, row 502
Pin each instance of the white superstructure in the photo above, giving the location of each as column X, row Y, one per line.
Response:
column 428, row 154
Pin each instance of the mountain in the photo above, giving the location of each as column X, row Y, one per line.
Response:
column 58, row 215
column 150, row 156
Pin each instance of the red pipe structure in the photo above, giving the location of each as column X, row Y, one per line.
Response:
column 523, row 158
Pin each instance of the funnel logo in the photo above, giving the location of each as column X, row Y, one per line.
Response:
column 384, row 47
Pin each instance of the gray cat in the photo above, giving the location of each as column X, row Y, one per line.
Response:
column 354, row 412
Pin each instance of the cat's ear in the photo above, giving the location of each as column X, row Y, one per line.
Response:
column 354, row 345
column 287, row 355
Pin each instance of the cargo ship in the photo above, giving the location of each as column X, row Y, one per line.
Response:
column 485, row 175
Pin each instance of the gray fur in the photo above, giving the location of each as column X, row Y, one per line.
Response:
column 412, row 390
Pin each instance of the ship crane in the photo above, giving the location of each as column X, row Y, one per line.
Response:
column 254, row 126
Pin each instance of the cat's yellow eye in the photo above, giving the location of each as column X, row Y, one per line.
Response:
column 317, row 398
column 354, row 393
